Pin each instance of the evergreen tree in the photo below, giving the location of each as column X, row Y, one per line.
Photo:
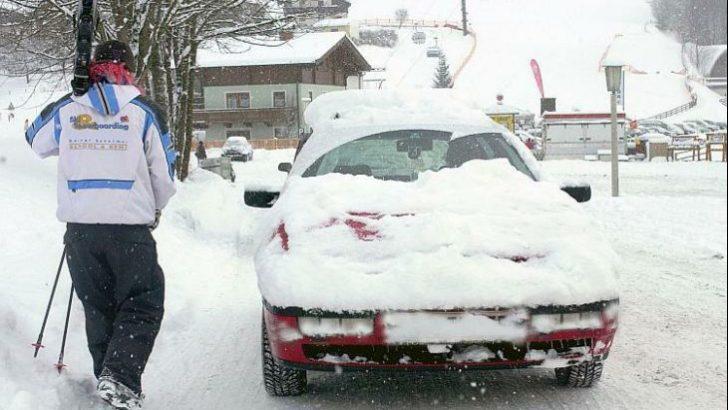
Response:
column 443, row 79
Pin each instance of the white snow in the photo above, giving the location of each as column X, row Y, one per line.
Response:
column 569, row 38
column 305, row 49
column 423, row 237
column 669, row 229
column 344, row 116
column 427, row 327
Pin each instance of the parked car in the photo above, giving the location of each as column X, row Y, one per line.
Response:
column 532, row 142
column 434, row 51
column 238, row 149
column 426, row 241
column 419, row 37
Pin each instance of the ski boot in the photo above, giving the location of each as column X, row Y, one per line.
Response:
column 117, row 395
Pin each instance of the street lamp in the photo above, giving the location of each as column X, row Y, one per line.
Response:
column 613, row 70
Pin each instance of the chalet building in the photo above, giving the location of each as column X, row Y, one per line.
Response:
column 311, row 11
column 261, row 92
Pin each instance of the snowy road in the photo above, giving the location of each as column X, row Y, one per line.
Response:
column 670, row 230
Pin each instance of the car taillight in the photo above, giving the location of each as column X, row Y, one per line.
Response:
column 327, row 327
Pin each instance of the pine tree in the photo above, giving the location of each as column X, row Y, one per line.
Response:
column 443, row 79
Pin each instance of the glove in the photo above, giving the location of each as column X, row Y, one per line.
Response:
column 157, row 217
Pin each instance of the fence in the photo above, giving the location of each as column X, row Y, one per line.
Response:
column 410, row 23
column 275, row 143
column 679, row 109
column 270, row 143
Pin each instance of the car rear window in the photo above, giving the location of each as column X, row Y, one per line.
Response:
column 403, row 155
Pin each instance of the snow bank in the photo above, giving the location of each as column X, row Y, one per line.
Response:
column 483, row 235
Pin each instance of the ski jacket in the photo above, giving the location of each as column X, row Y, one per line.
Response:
column 116, row 156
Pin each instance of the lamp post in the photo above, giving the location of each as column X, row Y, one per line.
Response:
column 614, row 85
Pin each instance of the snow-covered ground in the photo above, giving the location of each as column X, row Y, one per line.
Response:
column 669, row 229
column 407, row 64
column 568, row 38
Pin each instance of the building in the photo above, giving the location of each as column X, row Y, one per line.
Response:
column 577, row 135
column 339, row 25
column 261, row 92
column 311, row 11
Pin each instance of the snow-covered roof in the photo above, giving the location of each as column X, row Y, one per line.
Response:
column 306, row 49
column 506, row 109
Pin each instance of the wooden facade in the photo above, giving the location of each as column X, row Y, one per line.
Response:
column 294, row 81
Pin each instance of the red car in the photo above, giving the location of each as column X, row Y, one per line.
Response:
column 362, row 289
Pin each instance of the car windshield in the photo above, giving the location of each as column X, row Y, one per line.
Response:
column 403, row 155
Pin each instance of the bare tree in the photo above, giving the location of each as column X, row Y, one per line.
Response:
column 402, row 15
column 37, row 39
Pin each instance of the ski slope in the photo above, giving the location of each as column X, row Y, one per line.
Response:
column 669, row 229
column 568, row 38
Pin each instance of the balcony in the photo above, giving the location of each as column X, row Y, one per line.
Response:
column 285, row 114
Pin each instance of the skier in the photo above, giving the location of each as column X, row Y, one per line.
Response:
column 116, row 174
column 200, row 152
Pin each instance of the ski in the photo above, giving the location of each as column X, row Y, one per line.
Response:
column 86, row 27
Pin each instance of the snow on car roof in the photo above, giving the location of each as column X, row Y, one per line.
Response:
column 344, row 116
column 364, row 107
column 306, row 49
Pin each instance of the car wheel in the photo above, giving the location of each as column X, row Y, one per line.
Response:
column 582, row 375
column 279, row 380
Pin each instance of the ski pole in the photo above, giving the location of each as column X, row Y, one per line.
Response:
column 39, row 344
column 60, row 364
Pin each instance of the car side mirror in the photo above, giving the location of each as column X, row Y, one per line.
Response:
column 285, row 167
column 580, row 193
column 261, row 199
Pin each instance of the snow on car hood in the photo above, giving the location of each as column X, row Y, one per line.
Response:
column 480, row 236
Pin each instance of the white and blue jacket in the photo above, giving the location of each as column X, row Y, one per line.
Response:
column 116, row 155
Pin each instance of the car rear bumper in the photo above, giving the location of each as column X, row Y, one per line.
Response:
column 374, row 352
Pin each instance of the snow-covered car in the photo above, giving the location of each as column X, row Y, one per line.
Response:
column 532, row 142
column 434, row 51
column 238, row 149
column 419, row 37
column 413, row 233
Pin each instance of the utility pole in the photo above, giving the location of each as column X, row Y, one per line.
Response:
column 465, row 17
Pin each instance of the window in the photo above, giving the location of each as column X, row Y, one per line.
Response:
column 238, row 100
column 238, row 133
column 395, row 156
column 403, row 155
column 279, row 99
column 281, row 132
column 307, row 76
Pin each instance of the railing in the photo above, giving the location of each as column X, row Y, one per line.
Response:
column 410, row 23
column 677, row 110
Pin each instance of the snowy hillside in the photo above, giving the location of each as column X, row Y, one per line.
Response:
column 569, row 38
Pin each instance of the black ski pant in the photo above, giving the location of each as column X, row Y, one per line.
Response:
column 117, row 278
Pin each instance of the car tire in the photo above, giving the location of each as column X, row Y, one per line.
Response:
column 582, row 375
column 280, row 381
